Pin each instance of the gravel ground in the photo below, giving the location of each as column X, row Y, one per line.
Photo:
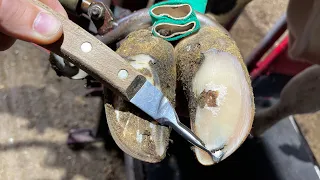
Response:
column 37, row 109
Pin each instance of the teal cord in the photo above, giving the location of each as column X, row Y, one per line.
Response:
column 197, row 5
column 165, row 12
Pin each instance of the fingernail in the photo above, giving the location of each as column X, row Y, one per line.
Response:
column 47, row 25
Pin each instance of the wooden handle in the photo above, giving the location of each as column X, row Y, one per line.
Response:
column 89, row 54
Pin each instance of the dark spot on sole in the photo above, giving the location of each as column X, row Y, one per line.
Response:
column 208, row 98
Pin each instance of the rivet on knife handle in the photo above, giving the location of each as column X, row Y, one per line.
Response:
column 97, row 59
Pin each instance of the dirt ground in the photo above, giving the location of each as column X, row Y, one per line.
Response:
column 256, row 20
column 37, row 109
column 309, row 125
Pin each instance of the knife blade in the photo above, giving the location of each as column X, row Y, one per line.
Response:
column 98, row 60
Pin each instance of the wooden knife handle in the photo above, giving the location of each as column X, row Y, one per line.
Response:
column 89, row 54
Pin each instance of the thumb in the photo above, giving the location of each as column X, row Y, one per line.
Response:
column 23, row 20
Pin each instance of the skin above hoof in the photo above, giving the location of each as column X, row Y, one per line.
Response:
column 134, row 132
column 217, row 87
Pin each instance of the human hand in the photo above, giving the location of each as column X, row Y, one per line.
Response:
column 21, row 19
